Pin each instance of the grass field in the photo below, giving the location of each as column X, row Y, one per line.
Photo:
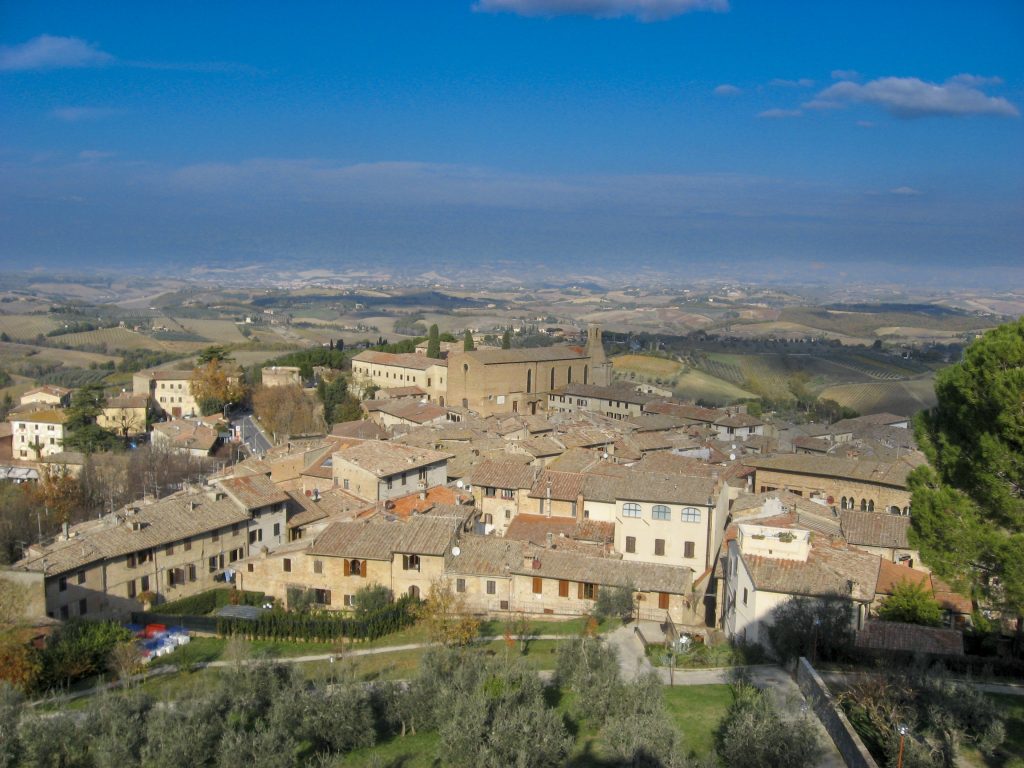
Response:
column 26, row 327
column 220, row 331
column 901, row 397
column 697, row 385
column 688, row 384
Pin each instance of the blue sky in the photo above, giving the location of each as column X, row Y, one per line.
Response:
column 671, row 134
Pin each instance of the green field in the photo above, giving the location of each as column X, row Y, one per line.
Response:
column 718, row 387
column 114, row 338
column 220, row 331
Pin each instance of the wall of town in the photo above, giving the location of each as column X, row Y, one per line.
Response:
column 882, row 496
column 831, row 715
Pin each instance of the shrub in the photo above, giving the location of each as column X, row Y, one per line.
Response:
column 207, row 602
column 820, row 628
column 754, row 735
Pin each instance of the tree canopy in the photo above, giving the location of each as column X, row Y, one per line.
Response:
column 912, row 603
column 82, row 433
column 467, row 342
column 434, row 342
column 214, row 387
column 968, row 506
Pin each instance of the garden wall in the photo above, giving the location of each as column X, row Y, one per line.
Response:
column 854, row 753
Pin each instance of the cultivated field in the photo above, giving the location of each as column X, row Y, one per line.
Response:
column 219, row 331
column 114, row 338
column 901, row 397
column 26, row 327
column 688, row 384
column 697, row 385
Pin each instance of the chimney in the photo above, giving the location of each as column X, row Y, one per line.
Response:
column 65, row 530
column 550, row 539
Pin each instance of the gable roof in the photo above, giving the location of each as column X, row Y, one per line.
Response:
column 486, row 556
column 875, row 529
column 385, row 459
column 399, row 360
column 880, row 473
column 535, row 528
column 897, row 636
column 522, row 355
column 606, row 571
column 827, row 570
column 508, row 473
column 378, row 538
column 253, row 491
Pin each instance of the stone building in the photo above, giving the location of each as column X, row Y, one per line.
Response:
column 867, row 486
column 617, row 401
column 169, row 390
column 376, row 470
column 500, row 381
column 281, row 376
column 169, row 549
column 387, row 371
column 37, row 434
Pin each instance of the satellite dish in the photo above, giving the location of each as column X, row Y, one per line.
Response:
column 456, row 551
column 604, row 455
column 458, row 483
column 732, row 457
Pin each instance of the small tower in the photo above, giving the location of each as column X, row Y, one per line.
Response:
column 600, row 368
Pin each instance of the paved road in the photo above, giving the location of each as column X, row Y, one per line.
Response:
column 253, row 436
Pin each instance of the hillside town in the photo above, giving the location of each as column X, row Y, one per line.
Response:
column 527, row 481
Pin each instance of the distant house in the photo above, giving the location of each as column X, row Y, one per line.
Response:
column 170, row 391
column 281, row 376
column 738, row 426
column 47, row 395
column 125, row 414
column 404, row 413
column 37, row 434
column 193, row 437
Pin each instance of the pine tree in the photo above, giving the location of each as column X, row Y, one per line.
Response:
column 506, row 339
column 467, row 342
column 434, row 343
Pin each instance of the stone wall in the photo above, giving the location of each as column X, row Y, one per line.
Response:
column 854, row 753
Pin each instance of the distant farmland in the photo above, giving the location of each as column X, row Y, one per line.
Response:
column 901, row 397
column 687, row 384
column 26, row 327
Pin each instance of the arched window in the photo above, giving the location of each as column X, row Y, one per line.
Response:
column 631, row 509
column 863, row 505
column 414, row 592
column 586, row 374
column 529, row 382
column 906, row 510
column 552, row 378
column 894, row 510
column 871, row 506
column 660, row 512
column 691, row 515
column 355, row 567
column 842, row 503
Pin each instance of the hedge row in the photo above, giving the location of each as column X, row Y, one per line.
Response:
column 320, row 626
column 207, row 602
column 972, row 666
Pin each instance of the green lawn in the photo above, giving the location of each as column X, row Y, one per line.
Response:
column 698, row 709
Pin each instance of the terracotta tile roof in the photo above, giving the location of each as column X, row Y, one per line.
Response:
column 363, row 429
column 881, row 473
column 507, row 473
column 620, row 392
column 394, row 392
column 739, row 420
column 561, row 486
column 674, row 464
column 656, row 422
column 689, row 412
column 408, row 410
column 333, row 502
column 401, row 360
column 896, row 636
column 636, row 485
column 188, row 434
column 949, row 598
column 412, row 504
column 576, row 460
column 168, row 520
column 253, row 491
column 816, row 444
column 606, row 571
column 486, row 556
column 378, row 538
column 827, row 570
column 384, row 459
column 126, row 400
column 535, row 528
column 890, row 574
column 48, row 389
column 43, row 416
column 875, row 529
column 541, row 446
column 166, row 374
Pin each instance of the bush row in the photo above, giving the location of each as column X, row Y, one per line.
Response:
column 207, row 602
column 321, row 626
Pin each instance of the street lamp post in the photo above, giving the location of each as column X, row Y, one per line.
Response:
column 903, row 731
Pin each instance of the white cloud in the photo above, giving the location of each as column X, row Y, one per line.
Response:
column 644, row 10
column 725, row 89
column 50, row 52
column 803, row 82
column 779, row 113
column 845, row 74
column 906, row 191
column 911, row 97
column 83, row 114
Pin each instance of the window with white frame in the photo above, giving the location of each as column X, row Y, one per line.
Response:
column 660, row 512
column 691, row 515
column 631, row 509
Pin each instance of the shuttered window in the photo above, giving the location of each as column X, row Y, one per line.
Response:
column 538, row 585
column 563, row 588
column 663, row 600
